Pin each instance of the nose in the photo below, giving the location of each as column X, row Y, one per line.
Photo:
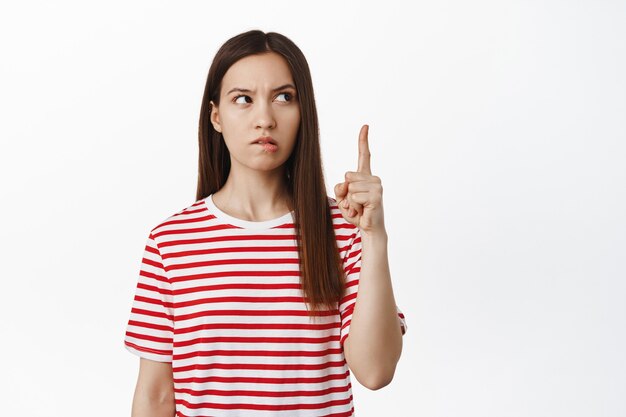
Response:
column 265, row 116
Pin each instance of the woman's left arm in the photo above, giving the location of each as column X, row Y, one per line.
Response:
column 374, row 344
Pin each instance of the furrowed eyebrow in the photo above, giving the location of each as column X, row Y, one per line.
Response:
column 245, row 90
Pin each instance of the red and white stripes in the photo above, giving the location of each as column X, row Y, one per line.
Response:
column 220, row 299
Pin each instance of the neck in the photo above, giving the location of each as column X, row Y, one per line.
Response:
column 253, row 195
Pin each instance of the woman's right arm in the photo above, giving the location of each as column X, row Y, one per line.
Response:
column 154, row 393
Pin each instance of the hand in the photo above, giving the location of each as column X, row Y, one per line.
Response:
column 360, row 196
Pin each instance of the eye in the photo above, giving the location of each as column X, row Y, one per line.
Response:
column 238, row 97
column 290, row 97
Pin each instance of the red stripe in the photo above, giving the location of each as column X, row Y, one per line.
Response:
column 154, row 289
column 147, row 349
column 344, row 414
column 261, row 366
column 153, row 301
column 352, row 268
column 156, row 339
column 235, row 261
column 260, row 353
column 193, row 229
column 352, row 283
column 256, row 326
column 225, row 274
column 200, row 219
column 281, row 407
column 348, row 298
column 259, row 380
column 238, row 299
column 276, row 394
column 235, row 249
column 237, row 286
column 227, row 238
column 240, row 339
column 150, row 326
column 152, row 263
column 346, row 324
column 142, row 312
column 147, row 274
column 242, row 313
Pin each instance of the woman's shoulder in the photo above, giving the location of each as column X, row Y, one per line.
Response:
column 180, row 217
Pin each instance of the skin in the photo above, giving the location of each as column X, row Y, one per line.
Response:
column 256, row 189
column 154, row 392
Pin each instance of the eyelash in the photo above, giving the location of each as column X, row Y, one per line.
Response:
column 243, row 95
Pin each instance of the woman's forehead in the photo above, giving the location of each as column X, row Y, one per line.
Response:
column 264, row 71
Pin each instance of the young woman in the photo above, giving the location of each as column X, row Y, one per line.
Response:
column 246, row 298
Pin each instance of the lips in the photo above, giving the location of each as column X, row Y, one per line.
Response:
column 264, row 139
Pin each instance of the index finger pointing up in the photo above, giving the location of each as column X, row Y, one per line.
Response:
column 364, row 151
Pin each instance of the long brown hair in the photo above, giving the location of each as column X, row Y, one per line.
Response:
column 321, row 270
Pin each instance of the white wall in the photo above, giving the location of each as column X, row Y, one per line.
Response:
column 497, row 128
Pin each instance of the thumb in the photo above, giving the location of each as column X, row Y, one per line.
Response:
column 340, row 191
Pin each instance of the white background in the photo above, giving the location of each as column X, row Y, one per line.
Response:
column 498, row 129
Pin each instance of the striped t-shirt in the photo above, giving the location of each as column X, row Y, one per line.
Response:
column 220, row 298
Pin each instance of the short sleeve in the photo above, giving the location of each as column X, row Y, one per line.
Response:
column 150, row 329
column 352, row 268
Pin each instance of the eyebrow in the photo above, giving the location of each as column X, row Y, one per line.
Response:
column 245, row 90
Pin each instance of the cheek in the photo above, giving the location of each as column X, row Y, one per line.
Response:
column 230, row 131
column 228, row 119
column 231, row 123
column 294, row 120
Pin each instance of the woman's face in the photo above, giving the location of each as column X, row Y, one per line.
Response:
column 258, row 99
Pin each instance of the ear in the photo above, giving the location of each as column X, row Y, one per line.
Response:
column 215, row 117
